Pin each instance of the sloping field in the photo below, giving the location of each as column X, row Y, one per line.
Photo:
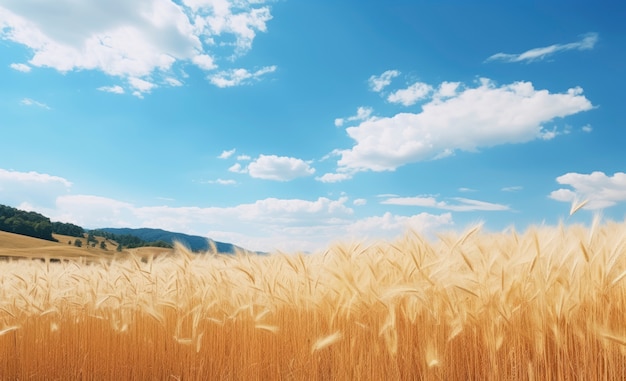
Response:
column 21, row 246
column 16, row 245
column 548, row 304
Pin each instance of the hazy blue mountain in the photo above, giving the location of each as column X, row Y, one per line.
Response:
column 194, row 242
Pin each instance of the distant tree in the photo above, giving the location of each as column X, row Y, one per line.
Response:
column 69, row 242
column 119, row 247
column 103, row 245
column 91, row 238
column 78, row 243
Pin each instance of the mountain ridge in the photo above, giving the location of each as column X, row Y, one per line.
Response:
column 193, row 242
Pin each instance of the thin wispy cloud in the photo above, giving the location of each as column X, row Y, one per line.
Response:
column 32, row 102
column 537, row 54
column 223, row 182
column 112, row 89
column 461, row 204
column 237, row 77
column 226, row 154
column 20, row 67
column 378, row 82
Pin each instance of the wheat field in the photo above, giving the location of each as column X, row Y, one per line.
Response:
column 545, row 304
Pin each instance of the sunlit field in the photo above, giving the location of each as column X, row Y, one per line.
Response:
column 545, row 304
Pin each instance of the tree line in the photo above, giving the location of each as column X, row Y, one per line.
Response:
column 129, row 241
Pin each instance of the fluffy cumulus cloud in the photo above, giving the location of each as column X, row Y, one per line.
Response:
column 466, row 118
column 411, row 94
column 460, row 204
column 587, row 42
column 132, row 40
column 598, row 189
column 279, row 168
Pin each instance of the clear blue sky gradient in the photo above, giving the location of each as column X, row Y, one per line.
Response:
column 290, row 125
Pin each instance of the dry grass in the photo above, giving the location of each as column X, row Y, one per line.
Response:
column 545, row 304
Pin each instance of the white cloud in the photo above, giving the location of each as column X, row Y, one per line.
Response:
column 237, row 168
column 447, row 89
column 587, row 128
column 223, row 182
column 463, row 189
column 334, row 177
column 141, row 86
column 359, row 202
column 112, row 89
column 600, row 190
column 32, row 178
column 204, row 61
column 411, row 94
column 237, row 77
column 483, row 116
column 31, row 187
column 132, row 39
column 462, row 204
column 243, row 158
column 279, row 168
column 390, row 226
column 32, row 102
column 515, row 188
column 173, row 82
column 20, row 67
column 537, row 54
column 378, row 83
column 362, row 113
column 231, row 17
column 226, row 154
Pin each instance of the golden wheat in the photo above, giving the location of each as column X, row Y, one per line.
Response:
column 545, row 304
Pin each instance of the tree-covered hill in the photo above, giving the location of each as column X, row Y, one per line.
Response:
column 31, row 224
column 67, row 229
column 194, row 242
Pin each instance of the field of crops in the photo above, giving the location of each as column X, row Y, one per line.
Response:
column 545, row 304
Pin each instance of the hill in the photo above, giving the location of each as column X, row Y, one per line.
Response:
column 31, row 224
column 194, row 242
column 14, row 245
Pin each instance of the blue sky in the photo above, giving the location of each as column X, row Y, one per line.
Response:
column 290, row 125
